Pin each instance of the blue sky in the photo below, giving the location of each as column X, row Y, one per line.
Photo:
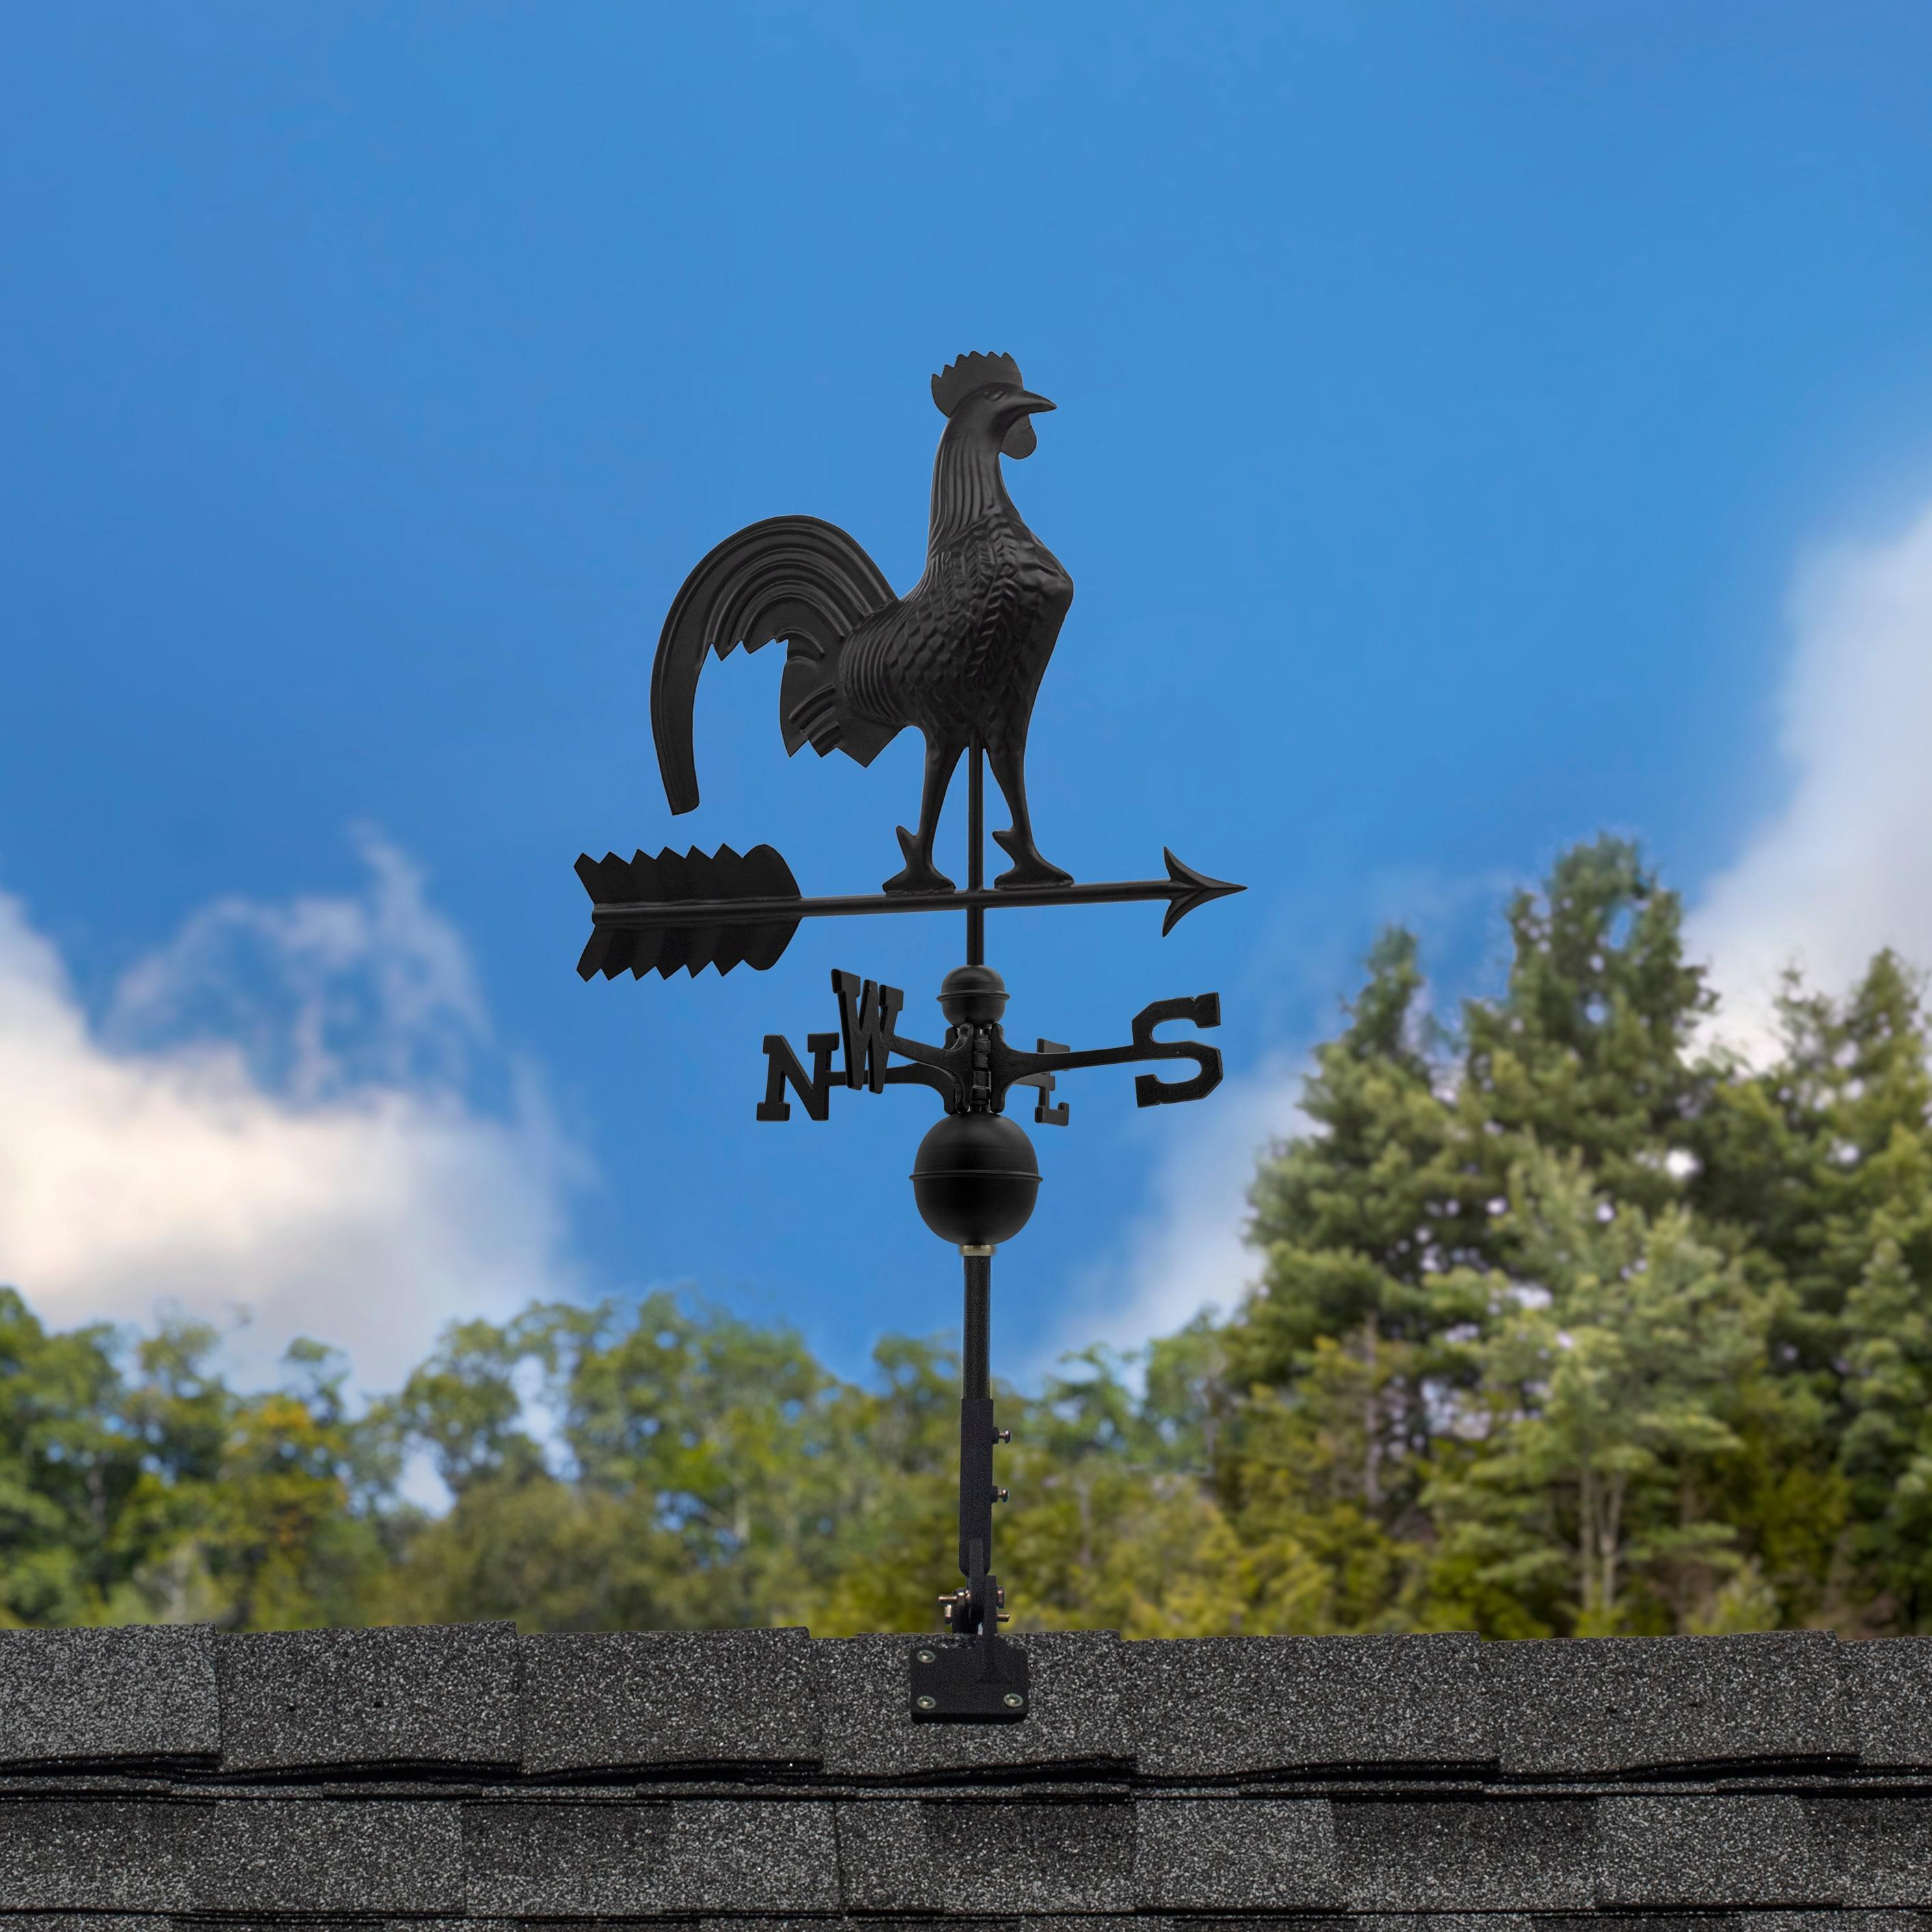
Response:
column 1480, row 425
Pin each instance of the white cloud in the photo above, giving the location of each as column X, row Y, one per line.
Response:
column 1186, row 1252
column 276, row 1114
column 1845, row 867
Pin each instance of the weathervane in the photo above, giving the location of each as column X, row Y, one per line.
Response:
column 959, row 658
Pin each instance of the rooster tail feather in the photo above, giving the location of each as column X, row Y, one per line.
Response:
column 790, row 577
column 810, row 711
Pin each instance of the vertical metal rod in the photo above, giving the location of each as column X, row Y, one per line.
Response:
column 975, row 1444
column 976, row 1361
column 976, row 841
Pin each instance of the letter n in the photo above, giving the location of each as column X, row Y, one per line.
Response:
column 782, row 1069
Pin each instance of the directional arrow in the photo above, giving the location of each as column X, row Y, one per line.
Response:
column 646, row 913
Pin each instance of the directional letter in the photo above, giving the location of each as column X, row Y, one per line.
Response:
column 866, row 1012
column 1046, row 1116
column 1204, row 1010
column 782, row 1068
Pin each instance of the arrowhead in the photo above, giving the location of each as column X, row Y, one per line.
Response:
column 1192, row 889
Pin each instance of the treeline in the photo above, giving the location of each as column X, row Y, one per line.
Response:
column 1566, row 1322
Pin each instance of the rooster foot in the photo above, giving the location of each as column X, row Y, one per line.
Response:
column 1028, row 867
column 920, row 874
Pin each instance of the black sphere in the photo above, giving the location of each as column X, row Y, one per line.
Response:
column 976, row 1179
column 974, row 993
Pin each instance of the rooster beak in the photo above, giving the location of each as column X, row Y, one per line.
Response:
column 1019, row 440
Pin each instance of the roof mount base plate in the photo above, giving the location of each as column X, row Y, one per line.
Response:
column 981, row 1680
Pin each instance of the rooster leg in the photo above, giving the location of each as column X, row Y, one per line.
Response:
column 921, row 874
column 1008, row 763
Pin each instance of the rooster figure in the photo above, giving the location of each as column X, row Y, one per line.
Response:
column 960, row 656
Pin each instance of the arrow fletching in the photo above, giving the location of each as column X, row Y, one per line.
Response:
column 759, row 874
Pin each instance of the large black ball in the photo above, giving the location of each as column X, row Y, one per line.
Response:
column 976, row 1179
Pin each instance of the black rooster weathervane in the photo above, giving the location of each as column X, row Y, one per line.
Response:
column 960, row 657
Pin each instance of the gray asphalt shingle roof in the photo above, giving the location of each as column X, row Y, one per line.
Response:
column 163, row 1781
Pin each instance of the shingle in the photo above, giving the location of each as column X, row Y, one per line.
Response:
column 1373, row 1921
column 1640, row 1921
column 1888, row 1693
column 622, row 1700
column 421, row 1696
column 1275, row 1922
column 1882, row 1845
column 87, row 1696
column 1050, row 1921
column 1569, row 1706
column 967, row 1856
column 1077, row 1715
column 599, row 1924
column 86, row 1921
column 1218, row 1706
column 1499, row 1855
column 1673, row 1922
column 1708, row 1851
column 603, row 1924
column 1803, row 1918
column 555, row 1857
column 361, row 1855
column 1235, row 1854
column 1341, row 1921
column 347, row 1921
column 98, row 1854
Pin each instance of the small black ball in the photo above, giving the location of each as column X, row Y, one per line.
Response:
column 973, row 993
column 975, row 1178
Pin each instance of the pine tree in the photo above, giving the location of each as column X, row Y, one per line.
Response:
column 1589, row 1050
column 1887, row 1451
column 1872, row 1285
column 1360, row 1320
column 1609, row 1375
column 1815, row 1167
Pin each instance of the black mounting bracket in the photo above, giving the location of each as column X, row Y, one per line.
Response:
column 981, row 1680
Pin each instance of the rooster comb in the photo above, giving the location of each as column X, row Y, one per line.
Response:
column 957, row 380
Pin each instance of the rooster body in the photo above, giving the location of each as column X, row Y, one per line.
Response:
column 959, row 658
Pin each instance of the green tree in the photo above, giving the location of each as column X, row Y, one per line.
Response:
column 66, row 1467
column 1591, row 1048
column 1364, row 1224
column 1608, row 1376
column 1871, row 1288
column 1812, row 1168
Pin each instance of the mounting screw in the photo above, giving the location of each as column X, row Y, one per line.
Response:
column 927, row 1656
column 1002, row 1435
column 927, row 1703
column 999, row 1495
column 1012, row 1700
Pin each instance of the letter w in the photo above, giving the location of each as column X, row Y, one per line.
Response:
column 866, row 1012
